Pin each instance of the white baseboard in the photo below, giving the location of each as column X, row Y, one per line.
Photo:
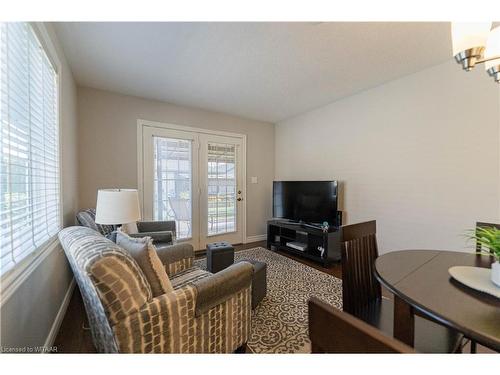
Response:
column 260, row 237
column 60, row 315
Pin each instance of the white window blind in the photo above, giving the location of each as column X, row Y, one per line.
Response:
column 29, row 170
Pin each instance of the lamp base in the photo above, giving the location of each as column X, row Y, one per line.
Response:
column 130, row 228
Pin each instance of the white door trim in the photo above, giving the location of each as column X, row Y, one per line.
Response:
column 142, row 124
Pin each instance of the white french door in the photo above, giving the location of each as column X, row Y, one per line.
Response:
column 170, row 177
column 221, row 186
column 196, row 179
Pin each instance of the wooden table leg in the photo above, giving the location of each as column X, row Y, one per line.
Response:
column 404, row 322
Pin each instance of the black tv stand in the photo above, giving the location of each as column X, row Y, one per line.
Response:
column 319, row 246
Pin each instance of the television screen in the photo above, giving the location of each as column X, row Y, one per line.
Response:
column 307, row 201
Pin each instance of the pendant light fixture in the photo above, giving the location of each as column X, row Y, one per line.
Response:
column 475, row 43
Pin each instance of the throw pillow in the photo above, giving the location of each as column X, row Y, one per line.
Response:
column 144, row 253
column 111, row 236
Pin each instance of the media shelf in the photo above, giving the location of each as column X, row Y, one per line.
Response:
column 313, row 239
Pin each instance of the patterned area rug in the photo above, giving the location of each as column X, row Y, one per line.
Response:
column 279, row 323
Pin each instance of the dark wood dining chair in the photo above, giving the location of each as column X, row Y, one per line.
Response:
column 334, row 331
column 362, row 293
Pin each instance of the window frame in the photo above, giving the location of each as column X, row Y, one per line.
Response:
column 13, row 278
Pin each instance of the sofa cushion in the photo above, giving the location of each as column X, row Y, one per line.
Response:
column 188, row 276
column 144, row 253
column 160, row 238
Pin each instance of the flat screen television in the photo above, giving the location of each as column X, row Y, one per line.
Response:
column 307, row 201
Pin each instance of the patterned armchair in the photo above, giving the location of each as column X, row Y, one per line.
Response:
column 162, row 232
column 205, row 313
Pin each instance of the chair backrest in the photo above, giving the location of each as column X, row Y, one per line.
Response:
column 110, row 281
column 359, row 251
column 334, row 331
column 86, row 218
column 480, row 224
column 181, row 208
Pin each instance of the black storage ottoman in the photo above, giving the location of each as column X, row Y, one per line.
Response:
column 259, row 281
column 220, row 255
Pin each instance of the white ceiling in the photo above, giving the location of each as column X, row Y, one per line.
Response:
column 264, row 71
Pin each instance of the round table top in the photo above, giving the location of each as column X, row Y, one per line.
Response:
column 421, row 279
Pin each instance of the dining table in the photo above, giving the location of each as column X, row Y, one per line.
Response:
column 421, row 284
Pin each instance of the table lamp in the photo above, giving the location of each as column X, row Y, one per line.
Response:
column 118, row 207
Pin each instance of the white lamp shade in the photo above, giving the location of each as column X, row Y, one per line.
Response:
column 465, row 35
column 493, row 48
column 117, row 206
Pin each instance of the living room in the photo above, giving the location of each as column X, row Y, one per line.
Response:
column 262, row 187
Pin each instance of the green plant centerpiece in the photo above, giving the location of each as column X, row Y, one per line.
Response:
column 489, row 239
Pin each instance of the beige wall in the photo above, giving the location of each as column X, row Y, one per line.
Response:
column 419, row 154
column 29, row 314
column 108, row 146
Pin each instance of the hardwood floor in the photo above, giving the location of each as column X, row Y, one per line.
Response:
column 75, row 337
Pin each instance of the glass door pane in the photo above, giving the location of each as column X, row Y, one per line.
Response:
column 172, row 193
column 221, row 187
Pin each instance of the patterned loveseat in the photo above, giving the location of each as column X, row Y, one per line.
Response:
column 205, row 313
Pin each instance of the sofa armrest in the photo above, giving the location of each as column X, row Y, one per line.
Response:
column 165, row 236
column 176, row 258
column 152, row 329
column 156, row 226
column 219, row 287
column 168, row 324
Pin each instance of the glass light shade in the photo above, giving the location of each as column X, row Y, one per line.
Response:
column 466, row 35
column 492, row 48
column 117, row 206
